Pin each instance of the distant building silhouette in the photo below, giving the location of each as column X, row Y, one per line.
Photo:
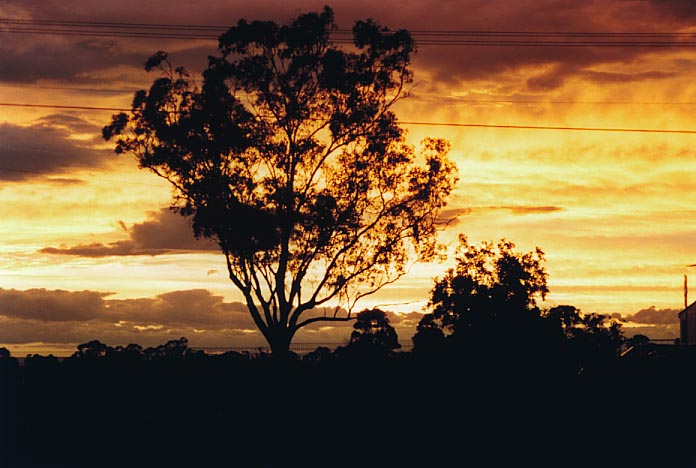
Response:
column 687, row 325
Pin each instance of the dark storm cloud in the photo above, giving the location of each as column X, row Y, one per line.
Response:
column 80, row 58
column 450, row 65
column 213, row 12
column 675, row 9
column 165, row 232
column 611, row 77
column 556, row 77
column 38, row 150
column 44, row 58
column 32, row 56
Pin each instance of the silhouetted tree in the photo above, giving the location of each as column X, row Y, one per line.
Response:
column 429, row 337
column 172, row 349
column 290, row 158
column 131, row 350
column 92, row 349
column 638, row 340
column 590, row 339
column 373, row 334
column 320, row 354
column 488, row 298
column 6, row 359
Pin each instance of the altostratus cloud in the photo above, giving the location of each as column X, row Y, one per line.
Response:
column 43, row 149
column 30, row 58
column 206, row 319
column 164, row 232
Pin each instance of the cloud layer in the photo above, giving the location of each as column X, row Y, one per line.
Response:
column 206, row 319
column 165, row 232
column 44, row 149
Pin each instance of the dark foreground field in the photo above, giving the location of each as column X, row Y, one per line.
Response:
column 213, row 411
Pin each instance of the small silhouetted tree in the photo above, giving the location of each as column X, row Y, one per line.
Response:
column 373, row 331
column 132, row 350
column 290, row 157
column 320, row 354
column 6, row 359
column 638, row 340
column 92, row 350
column 429, row 337
column 488, row 299
column 589, row 339
column 171, row 350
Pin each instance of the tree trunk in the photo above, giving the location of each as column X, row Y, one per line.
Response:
column 279, row 339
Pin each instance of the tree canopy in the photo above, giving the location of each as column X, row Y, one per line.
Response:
column 488, row 304
column 290, row 157
column 373, row 334
column 590, row 339
column 490, row 290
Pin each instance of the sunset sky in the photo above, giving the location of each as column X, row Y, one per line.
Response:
column 89, row 249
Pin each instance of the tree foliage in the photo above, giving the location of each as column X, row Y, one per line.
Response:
column 290, row 157
column 489, row 302
column 490, row 295
column 372, row 331
column 590, row 338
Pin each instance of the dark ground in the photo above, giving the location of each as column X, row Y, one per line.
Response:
column 211, row 411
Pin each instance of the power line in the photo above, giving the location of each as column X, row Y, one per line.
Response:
column 503, row 33
column 445, row 100
column 419, row 123
column 68, row 88
column 61, row 106
column 454, row 100
column 49, row 174
column 548, row 127
column 443, row 42
column 113, row 24
column 143, row 35
column 425, row 37
column 426, row 32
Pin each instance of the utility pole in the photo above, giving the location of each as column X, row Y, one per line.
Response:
column 686, row 288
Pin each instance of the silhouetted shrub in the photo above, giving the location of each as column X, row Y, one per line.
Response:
column 320, row 354
column 92, row 350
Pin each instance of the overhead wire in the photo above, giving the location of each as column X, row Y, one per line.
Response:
column 442, row 37
column 450, row 100
column 432, row 42
column 408, row 122
column 66, row 88
column 64, row 106
column 343, row 36
column 199, row 27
